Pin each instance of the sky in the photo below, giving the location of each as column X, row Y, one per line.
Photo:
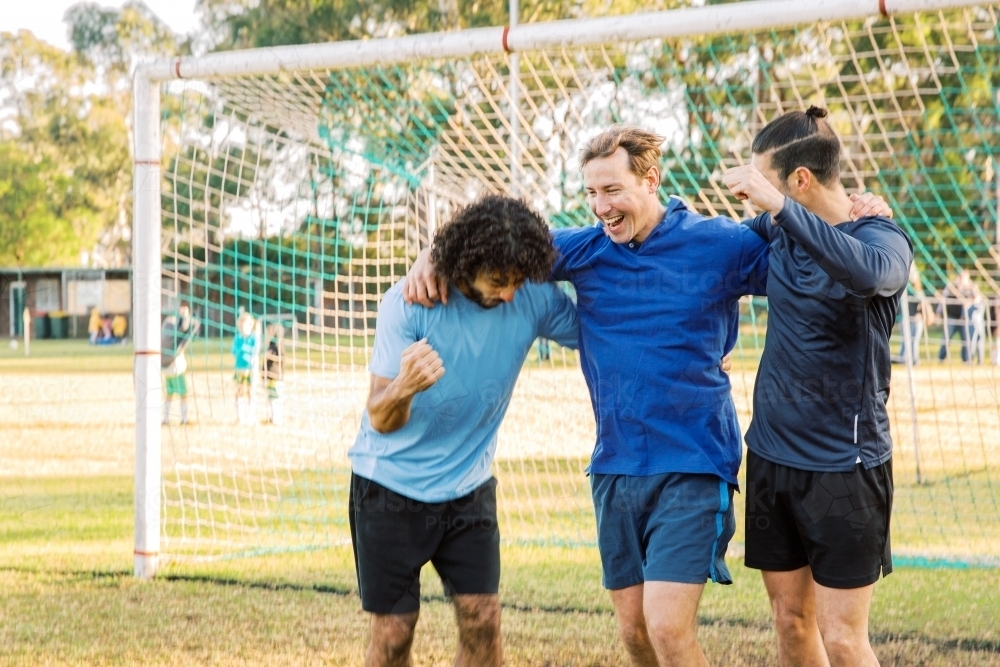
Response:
column 44, row 17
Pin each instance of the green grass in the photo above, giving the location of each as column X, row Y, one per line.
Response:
column 66, row 356
column 68, row 598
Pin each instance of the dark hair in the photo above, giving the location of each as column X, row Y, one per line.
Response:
column 801, row 139
column 496, row 235
column 643, row 148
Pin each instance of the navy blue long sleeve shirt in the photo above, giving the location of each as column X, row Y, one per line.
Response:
column 833, row 292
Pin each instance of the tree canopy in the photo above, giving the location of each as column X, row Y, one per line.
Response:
column 65, row 170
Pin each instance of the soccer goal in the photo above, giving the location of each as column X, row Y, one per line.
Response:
column 295, row 184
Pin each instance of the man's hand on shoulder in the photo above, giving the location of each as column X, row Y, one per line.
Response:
column 867, row 205
column 422, row 285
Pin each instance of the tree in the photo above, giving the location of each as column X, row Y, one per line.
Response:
column 59, row 148
column 108, row 43
column 240, row 24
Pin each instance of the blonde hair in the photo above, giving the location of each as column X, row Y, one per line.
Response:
column 643, row 148
column 245, row 317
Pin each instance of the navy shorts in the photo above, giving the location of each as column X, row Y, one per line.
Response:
column 668, row 527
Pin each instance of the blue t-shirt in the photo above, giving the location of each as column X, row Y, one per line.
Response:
column 445, row 450
column 244, row 350
column 656, row 318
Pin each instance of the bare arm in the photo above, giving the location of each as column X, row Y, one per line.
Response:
column 389, row 400
column 423, row 286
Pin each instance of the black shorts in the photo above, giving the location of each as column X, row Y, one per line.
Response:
column 395, row 536
column 837, row 523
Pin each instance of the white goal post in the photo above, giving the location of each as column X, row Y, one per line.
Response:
column 148, row 78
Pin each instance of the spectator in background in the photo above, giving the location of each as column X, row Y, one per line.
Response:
column 274, row 371
column 105, row 337
column 176, row 334
column 119, row 325
column 920, row 316
column 956, row 299
column 245, row 350
column 95, row 325
column 994, row 326
column 544, row 349
column 977, row 326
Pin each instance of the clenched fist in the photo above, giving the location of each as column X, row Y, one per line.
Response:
column 419, row 368
column 747, row 182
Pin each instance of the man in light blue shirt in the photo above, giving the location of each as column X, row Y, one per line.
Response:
column 441, row 380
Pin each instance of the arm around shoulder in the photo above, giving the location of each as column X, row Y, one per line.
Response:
column 873, row 260
column 560, row 321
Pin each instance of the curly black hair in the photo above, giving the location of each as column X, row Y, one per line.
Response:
column 498, row 235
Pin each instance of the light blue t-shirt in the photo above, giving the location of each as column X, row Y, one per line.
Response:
column 445, row 450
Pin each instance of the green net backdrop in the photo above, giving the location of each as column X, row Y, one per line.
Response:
column 300, row 198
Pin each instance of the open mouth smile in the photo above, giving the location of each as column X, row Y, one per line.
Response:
column 613, row 224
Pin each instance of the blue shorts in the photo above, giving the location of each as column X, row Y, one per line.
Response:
column 668, row 527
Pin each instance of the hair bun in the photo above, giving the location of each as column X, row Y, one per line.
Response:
column 817, row 112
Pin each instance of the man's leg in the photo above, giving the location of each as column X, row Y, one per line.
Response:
column 478, row 618
column 390, row 546
column 949, row 331
column 793, row 604
column 671, row 611
column 843, row 621
column 628, row 604
column 849, row 550
column 963, row 333
column 468, row 561
column 915, row 339
column 392, row 638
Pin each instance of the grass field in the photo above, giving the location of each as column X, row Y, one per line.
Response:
column 68, row 597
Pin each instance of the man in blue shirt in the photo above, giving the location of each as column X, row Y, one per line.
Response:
column 657, row 293
column 441, row 380
column 819, row 475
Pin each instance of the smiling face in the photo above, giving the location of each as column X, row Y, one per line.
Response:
column 626, row 204
column 491, row 289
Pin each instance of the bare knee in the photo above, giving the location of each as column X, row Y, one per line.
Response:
column 846, row 645
column 634, row 635
column 631, row 617
column 667, row 630
column 792, row 620
column 392, row 637
column 478, row 619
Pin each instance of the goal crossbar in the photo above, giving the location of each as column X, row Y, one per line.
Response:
column 743, row 16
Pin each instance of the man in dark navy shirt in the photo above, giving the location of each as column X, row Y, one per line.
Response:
column 819, row 477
